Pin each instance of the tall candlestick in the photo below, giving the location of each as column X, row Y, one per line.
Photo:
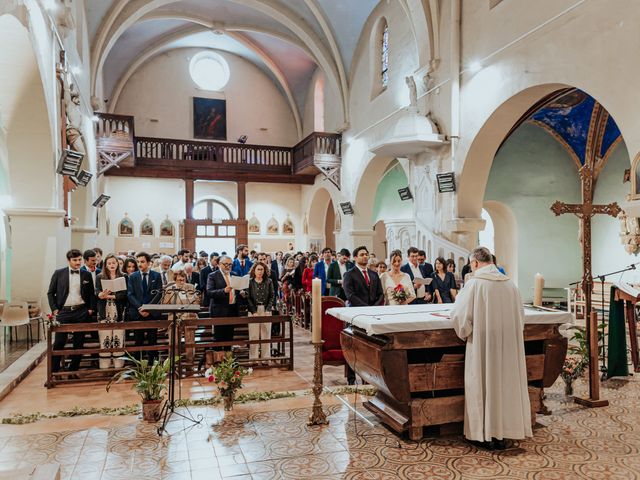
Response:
column 537, row 290
column 316, row 310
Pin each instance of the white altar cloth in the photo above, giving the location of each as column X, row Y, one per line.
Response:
column 412, row 318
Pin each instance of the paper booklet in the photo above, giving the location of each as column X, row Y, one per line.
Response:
column 422, row 281
column 117, row 285
column 239, row 283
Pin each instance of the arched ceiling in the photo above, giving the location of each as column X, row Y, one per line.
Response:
column 287, row 39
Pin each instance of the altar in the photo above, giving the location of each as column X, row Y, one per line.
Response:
column 413, row 357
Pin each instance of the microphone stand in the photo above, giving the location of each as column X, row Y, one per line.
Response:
column 601, row 278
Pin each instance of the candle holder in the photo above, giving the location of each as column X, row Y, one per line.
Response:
column 317, row 416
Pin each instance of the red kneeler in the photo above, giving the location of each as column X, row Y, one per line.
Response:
column 331, row 328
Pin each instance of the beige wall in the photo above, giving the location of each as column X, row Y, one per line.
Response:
column 163, row 90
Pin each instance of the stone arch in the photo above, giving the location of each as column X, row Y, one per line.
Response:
column 318, row 213
column 472, row 180
column 505, row 228
column 366, row 188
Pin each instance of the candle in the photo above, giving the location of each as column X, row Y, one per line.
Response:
column 537, row 290
column 316, row 310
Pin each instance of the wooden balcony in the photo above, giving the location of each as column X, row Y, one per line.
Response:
column 196, row 160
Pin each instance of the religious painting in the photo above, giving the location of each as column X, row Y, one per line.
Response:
column 125, row 227
column 209, row 118
column 147, row 228
column 315, row 245
column 287, row 226
column 273, row 227
column 167, row 229
column 254, row 224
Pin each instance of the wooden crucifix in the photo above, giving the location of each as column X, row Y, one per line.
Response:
column 584, row 211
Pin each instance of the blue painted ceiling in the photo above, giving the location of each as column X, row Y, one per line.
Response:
column 569, row 118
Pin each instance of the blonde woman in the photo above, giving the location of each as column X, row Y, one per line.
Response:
column 397, row 285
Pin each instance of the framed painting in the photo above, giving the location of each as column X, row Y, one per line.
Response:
column 254, row 224
column 147, row 228
column 125, row 227
column 273, row 227
column 167, row 229
column 287, row 226
column 209, row 118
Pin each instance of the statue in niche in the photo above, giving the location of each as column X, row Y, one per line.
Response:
column 413, row 91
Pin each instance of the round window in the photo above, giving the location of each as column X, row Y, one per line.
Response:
column 209, row 71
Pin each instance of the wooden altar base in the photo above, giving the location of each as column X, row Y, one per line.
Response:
column 420, row 375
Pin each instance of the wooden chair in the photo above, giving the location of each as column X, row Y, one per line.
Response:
column 331, row 328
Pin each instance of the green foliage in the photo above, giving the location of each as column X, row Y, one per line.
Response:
column 580, row 337
column 149, row 380
column 227, row 375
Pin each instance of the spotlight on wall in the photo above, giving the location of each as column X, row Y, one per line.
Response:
column 242, row 139
column 405, row 193
column 347, row 208
column 101, row 201
column 82, row 178
column 446, row 182
column 70, row 162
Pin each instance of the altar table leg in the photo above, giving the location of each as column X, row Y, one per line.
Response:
column 415, row 433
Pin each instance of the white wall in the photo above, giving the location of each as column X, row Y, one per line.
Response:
column 138, row 198
column 163, row 90
column 225, row 192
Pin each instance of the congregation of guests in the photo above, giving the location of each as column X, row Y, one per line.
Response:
column 77, row 293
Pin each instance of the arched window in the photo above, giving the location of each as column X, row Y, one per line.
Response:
column 211, row 209
column 384, row 55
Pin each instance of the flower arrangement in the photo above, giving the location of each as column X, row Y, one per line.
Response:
column 227, row 375
column 572, row 369
column 399, row 294
column 51, row 321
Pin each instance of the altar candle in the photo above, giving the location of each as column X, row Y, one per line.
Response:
column 316, row 310
column 537, row 290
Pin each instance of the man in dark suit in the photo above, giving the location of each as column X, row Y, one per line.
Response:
column 362, row 286
column 414, row 269
column 223, row 299
column 91, row 264
column 145, row 286
column 204, row 276
column 72, row 299
column 321, row 270
column 336, row 273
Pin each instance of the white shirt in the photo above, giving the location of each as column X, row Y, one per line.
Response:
column 326, row 268
column 74, row 298
column 343, row 269
column 178, row 266
column 420, row 291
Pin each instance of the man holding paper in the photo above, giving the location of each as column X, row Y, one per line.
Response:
column 420, row 276
column 223, row 295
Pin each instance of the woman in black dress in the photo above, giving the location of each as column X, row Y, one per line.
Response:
column 444, row 283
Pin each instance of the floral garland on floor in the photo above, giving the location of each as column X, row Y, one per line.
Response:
column 134, row 409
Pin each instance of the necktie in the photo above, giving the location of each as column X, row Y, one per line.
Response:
column 366, row 277
column 145, row 283
column 231, row 292
column 75, row 272
column 242, row 264
column 164, row 278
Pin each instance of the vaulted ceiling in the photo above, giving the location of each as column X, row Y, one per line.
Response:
column 287, row 39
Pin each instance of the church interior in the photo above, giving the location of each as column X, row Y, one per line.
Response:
column 286, row 129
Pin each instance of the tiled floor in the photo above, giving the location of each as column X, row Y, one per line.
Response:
column 11, row 351
column 272, row 441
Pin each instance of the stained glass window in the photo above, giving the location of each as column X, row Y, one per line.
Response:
column 384, row 56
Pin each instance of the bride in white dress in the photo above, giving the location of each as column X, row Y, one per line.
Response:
column 394, row 277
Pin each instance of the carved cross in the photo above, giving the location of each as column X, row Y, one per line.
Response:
column 584, row 211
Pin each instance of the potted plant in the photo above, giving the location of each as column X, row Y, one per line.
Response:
column 227, row 375
column 149, row 382
column 572, row 369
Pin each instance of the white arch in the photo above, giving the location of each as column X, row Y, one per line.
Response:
column 505, row 228
column 158, row 47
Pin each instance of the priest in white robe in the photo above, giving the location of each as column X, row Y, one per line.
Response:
column 488, row 314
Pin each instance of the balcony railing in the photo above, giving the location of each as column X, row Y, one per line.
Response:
column 115, row 138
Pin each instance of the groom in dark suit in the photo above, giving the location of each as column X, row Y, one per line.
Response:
column 145, row 286
column 72, row 300
column 363, row 288
column 223, row 299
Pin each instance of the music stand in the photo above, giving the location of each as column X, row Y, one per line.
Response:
column 170, row 404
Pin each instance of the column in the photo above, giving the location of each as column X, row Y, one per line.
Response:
column 188, row 193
